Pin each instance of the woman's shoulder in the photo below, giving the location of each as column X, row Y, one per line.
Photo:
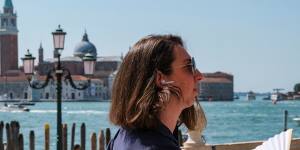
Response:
column 143, row 139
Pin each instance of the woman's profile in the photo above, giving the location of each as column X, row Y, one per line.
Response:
column 155, row 90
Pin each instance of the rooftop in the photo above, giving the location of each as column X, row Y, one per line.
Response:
column 23, row 78
column 216, row 80
column 78, row 59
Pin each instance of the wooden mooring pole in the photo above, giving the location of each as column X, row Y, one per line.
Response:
column 107, row 137
column 47, row 136
column 73, row 136
column 15, row 140
column 285, row 119
column 101, row 140
column 20, row 142
column 93, row 141
column 31, row 140
column 65, row 137
column 8, row 139
column 1, row 135
column 82, row 136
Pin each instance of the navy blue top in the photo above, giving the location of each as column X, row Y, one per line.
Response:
column 160, row 138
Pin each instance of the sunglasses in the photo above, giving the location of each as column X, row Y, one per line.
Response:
column 191, row 66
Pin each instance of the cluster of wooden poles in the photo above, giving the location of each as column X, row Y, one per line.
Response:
column 15, row 140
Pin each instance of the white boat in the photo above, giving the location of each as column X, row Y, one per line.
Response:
column 297, row 119
column 251, row 96
column 277, row 96
column 13, row 108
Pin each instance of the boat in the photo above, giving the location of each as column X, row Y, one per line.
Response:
column 297, row 119
column 236, row 97
column 267, row 98
column 25, row 103
column 251, row 95
column 14, row 108
column 277, row 96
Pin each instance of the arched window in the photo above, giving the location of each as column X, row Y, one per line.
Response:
column 13, row 22
column 73, row 95
column 11, row 95
column 47, row 96
column 25, row 96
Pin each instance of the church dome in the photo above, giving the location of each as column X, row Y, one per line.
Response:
column 84, row 47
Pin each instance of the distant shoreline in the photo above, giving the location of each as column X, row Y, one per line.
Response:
column 16, row 101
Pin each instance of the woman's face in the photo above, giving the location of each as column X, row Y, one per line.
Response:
column 186, row 77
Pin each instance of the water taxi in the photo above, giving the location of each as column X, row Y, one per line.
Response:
column 13, row 108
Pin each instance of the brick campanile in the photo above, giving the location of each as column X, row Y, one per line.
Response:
column 8, row 39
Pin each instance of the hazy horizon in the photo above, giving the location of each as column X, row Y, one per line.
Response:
column 256, row 41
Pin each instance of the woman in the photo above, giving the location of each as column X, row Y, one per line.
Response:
column 154, row 90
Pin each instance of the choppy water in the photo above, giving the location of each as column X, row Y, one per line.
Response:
column 236, row 121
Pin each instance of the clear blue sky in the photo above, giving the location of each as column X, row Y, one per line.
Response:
column 258, row 41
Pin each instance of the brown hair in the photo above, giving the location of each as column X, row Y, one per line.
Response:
column 135, row 102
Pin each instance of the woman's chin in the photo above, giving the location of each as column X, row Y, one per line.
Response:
column 189, row 104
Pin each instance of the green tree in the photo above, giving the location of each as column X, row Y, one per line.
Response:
column 297, row 87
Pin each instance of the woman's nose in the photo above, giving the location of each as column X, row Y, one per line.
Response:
column 198, row 75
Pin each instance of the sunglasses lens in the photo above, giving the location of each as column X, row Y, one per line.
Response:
column 193, row 65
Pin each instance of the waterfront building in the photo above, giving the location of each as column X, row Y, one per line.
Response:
column 111, row 79
column 14, row 84
column 216, row 86
column 15, row 88
column 96, row 91
column 104, row 67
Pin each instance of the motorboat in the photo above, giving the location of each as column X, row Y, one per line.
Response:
column 251, row 96
column 277, row 96
column 297, row 119
column 27, row 103
column 12, row 108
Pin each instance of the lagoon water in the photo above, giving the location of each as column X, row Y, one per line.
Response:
column 228, row 122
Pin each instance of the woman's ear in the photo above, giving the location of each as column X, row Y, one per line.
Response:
column 159, row 76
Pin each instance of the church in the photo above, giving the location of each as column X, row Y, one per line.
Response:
column 13, row 82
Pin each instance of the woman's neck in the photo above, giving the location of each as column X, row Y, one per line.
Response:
column 169, row 116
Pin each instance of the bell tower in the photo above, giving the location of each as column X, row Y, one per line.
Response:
column 41, row 54
column 8, row 38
